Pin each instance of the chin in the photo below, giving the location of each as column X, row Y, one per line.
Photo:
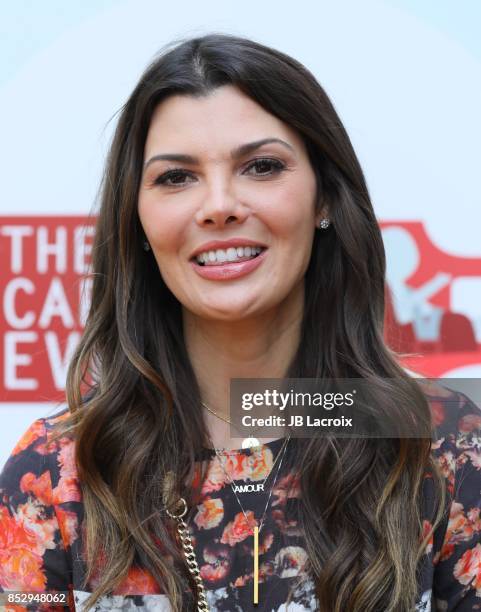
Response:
column 227, row 310
column 229, row 314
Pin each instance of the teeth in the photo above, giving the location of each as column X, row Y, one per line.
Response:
column 220, row 255
column 230, row 254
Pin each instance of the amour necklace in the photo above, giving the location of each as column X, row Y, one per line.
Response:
column 257, row 525
column 186, row 540
column 248, row 488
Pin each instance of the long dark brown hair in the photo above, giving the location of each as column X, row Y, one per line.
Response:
column 134, row 398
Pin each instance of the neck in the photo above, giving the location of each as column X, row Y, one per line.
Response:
column 258, row 347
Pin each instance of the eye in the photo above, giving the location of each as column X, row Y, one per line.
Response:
column 265, row 167
column 173, row 178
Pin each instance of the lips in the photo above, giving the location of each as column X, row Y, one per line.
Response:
column 229, row 270
column 229, row 260
column 213, row 245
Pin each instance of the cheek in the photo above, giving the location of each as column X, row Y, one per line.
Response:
column 291, row 212
column 163, row 225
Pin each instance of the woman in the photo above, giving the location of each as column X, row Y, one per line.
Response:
column 236, row 239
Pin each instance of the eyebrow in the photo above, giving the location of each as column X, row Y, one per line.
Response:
column 236, row 153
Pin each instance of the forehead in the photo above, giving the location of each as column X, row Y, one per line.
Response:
column 222, row 119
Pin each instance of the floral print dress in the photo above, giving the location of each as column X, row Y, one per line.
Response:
column 41, row 514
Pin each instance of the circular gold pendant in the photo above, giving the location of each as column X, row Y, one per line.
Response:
column 249, row 442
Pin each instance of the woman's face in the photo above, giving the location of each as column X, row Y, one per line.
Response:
column 221, row 168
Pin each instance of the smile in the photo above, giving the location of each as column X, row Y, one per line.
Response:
column 221, row 256
column 228, row 265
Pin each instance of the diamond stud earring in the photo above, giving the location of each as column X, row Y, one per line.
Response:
column 324, row 223
column 146, row 246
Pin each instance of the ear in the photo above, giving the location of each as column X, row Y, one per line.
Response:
column 324, row 214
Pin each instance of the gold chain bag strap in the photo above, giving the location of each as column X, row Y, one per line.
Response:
column 186, row 541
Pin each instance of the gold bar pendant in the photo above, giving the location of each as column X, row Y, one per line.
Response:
column 256, row 564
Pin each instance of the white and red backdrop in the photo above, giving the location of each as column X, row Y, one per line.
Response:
column 404, row 77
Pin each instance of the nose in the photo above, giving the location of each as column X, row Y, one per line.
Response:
column 220, row 205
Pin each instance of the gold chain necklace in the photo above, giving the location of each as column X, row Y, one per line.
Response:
column 248, row 442
column 189, row 553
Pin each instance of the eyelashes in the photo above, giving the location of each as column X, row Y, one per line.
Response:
column 264, row 167
column 172, row 178
column 263, row 164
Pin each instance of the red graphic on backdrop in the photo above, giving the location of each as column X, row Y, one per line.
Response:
column 45, row 296
column 433, row 308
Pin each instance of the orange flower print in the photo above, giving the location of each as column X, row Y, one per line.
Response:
column 461, row 528
column 473, row 516
column 468, row 569
column 259, row 463
column 34, row 432
column 66, row 459
column 22, row 570
column 137, row 582
column 287, row 487
column 29, row 516
column 68, row 486
column 67, row 490
column 427, row 527
column 47, row 448
column 238, row 529
column 447, row 463
column 21, row 553
column 236, row 465
column 218, row 563
column 68, row 523
column 288, row 527
column 213, row 573
column 41, row 487
column 215, row 479
column 241, row 581
column 266, row 543
column 210, row 513
column 469, row 422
